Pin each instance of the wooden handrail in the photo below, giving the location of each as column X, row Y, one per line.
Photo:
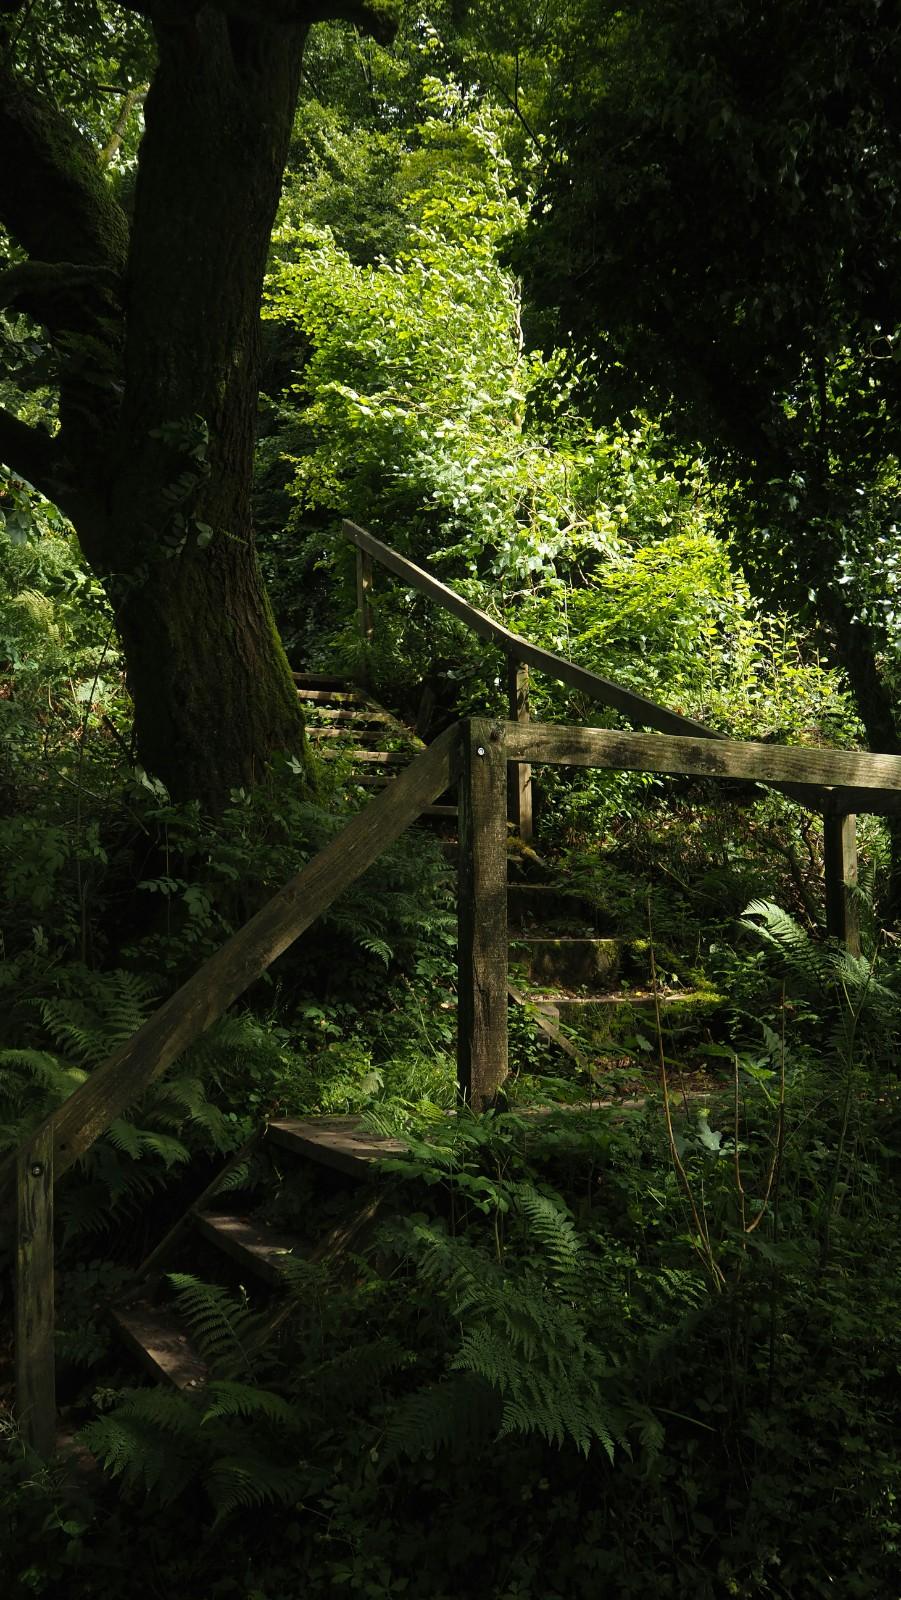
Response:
column 645, row 713
column 115, row 1085
column 641, row 712
column 861, row 775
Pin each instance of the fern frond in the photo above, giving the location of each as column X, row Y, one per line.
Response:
column 223, row 1326
column 231, row 1399
column 550, row 1225
column 457, row 1414
column 250, row 1479
column 147, row 1441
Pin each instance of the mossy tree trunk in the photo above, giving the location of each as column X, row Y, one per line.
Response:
column 154, row 322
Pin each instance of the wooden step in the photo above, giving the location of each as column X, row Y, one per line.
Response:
column 549, row 906
column 337, row 1142
column 321, row 680
column 346, row 734
column 360, row 718
column 332, row 697
column 608, row 1018
column 256, row 1248
column 160, row 1343
column 384, row 758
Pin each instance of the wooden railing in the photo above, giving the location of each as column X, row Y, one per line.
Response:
column 476, row 755
column 836, row 801
column 486, row 748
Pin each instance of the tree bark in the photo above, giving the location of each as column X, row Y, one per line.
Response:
column 159, row 358
column 177, row 537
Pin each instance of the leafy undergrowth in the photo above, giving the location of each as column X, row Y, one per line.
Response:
column 625, row 1352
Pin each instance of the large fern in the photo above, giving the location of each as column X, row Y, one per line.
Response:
column 235, row 1440
column 858, row 1006
column 520, row 1336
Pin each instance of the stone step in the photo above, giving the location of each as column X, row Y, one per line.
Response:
column 568, row 962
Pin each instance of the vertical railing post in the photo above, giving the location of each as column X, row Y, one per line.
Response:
column 35, row 1359
column 364, row 609
column 519, row 781
column 482, row 914
column 840, row 860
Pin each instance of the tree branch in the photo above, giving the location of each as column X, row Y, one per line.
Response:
column 53, row 196
column 31, row 284
column 134, row 97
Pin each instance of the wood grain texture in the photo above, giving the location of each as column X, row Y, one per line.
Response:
column 840, row 862
column 155, row 1335
column 519, row 776
column 35, row 1357
column 254, row 1246
column 482, row 914
column 340, row 1142
column 123, row 1077
column 725, row 758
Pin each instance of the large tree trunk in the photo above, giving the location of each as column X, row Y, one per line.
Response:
column 212, row 690
column 155, row 326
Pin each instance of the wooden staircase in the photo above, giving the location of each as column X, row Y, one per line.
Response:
column 490, row 761
column 581, row 985
column 221, row 1244
column 344, row 723
column 574, row 973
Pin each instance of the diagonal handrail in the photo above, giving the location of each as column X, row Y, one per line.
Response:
column 640, row 711
column 202, row 1000
column 646, row 713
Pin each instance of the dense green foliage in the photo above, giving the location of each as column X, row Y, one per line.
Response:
column 595, row 1354
column 635, row 1350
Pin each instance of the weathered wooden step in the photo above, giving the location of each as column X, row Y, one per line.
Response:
column 371, row 780
column 338, row 1142
column 332, row 697
column 345, row 734
column 384, row 758
column 320, row 680
column 256, row 1248
column 569, row 962
column 547, row 906
column 355, row 719
column 160, row 1343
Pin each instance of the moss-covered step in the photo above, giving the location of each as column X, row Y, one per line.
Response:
column 567, row 961
column 607, row 1019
